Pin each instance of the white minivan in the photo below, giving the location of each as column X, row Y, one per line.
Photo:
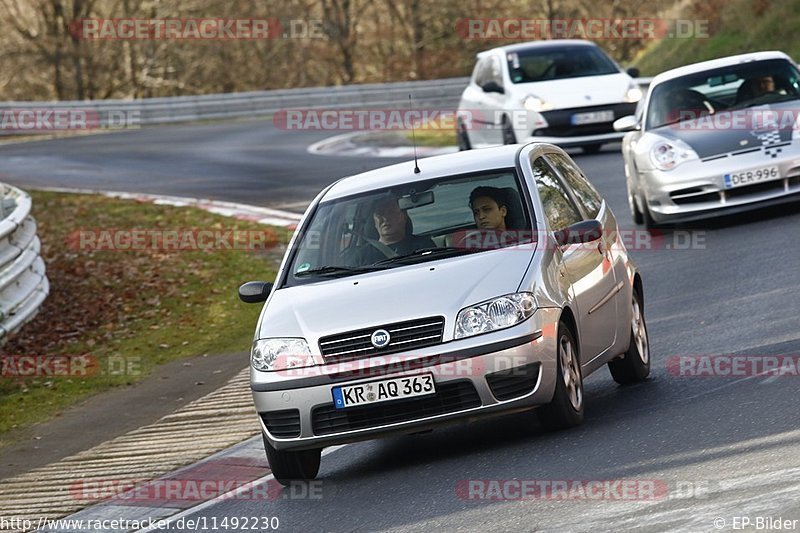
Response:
column 565, row 92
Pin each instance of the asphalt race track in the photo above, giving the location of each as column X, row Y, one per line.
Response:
column 714, row 447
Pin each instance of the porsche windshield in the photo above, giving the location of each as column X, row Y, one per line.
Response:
column 734, row 87
column 411, row 223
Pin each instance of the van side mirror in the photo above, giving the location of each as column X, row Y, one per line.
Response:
column 254, row 292
column 492, row 87
column 633, row 72
column 580, row 232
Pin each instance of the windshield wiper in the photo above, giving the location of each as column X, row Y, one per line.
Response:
column 436, row 252
column 337, row 270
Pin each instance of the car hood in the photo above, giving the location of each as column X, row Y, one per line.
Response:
column 738, row 130
column 426, row 289
column 577, row 92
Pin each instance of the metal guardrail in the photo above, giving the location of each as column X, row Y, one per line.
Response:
column 431, row 94
column 23, row 283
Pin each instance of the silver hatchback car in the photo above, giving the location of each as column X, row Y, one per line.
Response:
column 475, row 284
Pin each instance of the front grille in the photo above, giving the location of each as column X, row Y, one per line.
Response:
column 404, row 336
column 767, row 186
column 559, row 121
column 282, row 424
column 695, row 195
column 449, row 398
column 514, row 382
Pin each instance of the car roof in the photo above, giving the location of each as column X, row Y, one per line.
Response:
column 717, row 63
column 539, row 45
column 484, row 159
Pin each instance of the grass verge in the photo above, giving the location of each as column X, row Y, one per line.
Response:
column 123, row 312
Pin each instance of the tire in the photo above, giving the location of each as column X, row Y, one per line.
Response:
column 647, row 218
column 463, row 139
column 634, row 366
column 636, row 215
column 509, row 137
column 591, row 148
column 288, row 466
column 565, row 410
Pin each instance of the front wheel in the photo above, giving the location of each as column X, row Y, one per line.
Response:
column 635, row 363
column 509, row 137
column 565, row 410
column 288, row 466
column 591, row 148
column 463, row 138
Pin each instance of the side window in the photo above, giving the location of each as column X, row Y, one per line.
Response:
column 583, row 190
column 558, row 208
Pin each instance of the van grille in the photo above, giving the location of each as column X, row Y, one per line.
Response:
column 403, row 336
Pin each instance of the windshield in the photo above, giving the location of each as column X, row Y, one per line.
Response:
column 557, row 63
column 416, row 222
column 734, row 87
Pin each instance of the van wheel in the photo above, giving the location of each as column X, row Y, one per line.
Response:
column 463, row 138
column 635, row 363
column 565, row 410
column 288, row 466
column 509, row 137
column 591, row 148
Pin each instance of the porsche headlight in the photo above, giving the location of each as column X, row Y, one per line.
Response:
column 499, row 313
column 280, row 354
column 666, row 155
column 534, row 103
column 633, row 94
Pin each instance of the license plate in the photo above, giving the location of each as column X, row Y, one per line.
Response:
column 383, row 391
column 592, row 117
column 749, row 177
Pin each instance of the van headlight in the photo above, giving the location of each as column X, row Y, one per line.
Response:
column 498, row 313
column 280, row 354
column 633, row 94
column 666, row 155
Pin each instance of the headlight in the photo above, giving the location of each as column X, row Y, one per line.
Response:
column 633, row 94
column 666, row 155
column 280, row 354
column 499, row 313
column 534, row 103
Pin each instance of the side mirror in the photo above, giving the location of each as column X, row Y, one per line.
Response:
column 580, row 232
column 492, row 87
column 628, row 123
column 254, row 292
column 633, row 72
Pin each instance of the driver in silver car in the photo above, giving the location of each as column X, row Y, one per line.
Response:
column 395, row 234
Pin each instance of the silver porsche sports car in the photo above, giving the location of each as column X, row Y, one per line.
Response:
column 715, row 137
column 478, row 283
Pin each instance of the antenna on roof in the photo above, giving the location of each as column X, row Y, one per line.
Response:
column 413, row 137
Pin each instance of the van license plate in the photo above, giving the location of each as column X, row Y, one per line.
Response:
column 383, row 391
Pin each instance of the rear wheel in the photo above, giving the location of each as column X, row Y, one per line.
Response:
column 288, row 466
column 565, row 410
column 635, row 363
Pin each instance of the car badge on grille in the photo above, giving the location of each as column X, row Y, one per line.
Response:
column 380, row 338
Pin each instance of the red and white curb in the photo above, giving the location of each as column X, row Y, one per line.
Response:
column 261, row 215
